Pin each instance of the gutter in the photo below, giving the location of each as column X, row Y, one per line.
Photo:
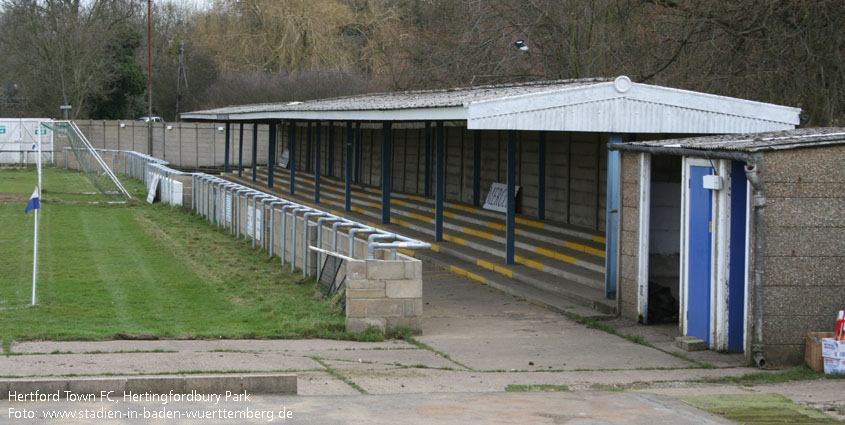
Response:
column 662, row 150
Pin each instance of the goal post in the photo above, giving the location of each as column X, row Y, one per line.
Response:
column 86, row 159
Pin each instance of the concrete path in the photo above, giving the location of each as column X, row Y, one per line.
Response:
column 476, row 341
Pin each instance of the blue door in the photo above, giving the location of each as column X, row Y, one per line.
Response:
column 699, row 256
column 736, row 281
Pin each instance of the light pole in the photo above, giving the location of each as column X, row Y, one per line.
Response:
column 150, row 78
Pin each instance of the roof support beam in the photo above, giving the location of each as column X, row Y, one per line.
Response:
column 330, row 153
column 439, row 184
column 292, row 160
column 541, row 178
column 226, row 147
column 318, row 141
column 348, row 187
column 427, row 184
column 476, row 167
column 386, row 142
column 254, row 151
column 309, row 162
column 357, row 174
column 510, row 221
column 241, row 150
column 612, row 219
column 271, row 154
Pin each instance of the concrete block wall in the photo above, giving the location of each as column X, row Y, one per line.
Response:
column 626, row 289
column 576, row 163
column 575, row 194
column 804, row 262
column 184, row 146
column 384, row 293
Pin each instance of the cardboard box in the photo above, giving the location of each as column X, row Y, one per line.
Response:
column 833, row 349
column 813, row 350
column 834, row 366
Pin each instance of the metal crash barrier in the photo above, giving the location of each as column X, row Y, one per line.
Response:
column 214, row 198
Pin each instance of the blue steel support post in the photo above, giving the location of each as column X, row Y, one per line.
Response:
column 271, row 154
column 254, row 151
column 386, row 141
column 476, row 167
column 439, row 183
column 541, row 178
column 330, row 153
column 357, row 173
column 427, row 184
column 292, row 160
column 612, row 219
column 348, row 188
column 226, row 147
column 510, row 222
column 309, row 162
column 318, row 141
column 241, row 150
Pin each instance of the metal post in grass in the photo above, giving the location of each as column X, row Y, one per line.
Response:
column 35, row 204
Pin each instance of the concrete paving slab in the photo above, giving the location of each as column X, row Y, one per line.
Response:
column 507, row 333
column 322, row 383
column 149, row 363
column 277, row 345
column 416, row 380
column 444, row 409
column 391, row 357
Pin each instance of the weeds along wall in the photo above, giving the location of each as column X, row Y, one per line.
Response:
column 575, row 163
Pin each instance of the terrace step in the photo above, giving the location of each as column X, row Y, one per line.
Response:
column 571, row 269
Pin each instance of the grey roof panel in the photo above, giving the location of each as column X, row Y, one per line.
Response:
column 749, row 143
column 406, row 99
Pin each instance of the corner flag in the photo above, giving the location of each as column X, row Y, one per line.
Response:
column 34, row 202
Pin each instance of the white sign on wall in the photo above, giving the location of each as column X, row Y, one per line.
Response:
column 228, row 207
column 283, row 161
column 497, row 197
column 249, row 220
column 253, row 221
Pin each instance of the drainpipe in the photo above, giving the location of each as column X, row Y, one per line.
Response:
column 752, row 173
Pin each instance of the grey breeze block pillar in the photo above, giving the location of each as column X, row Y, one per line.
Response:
column 384, row 293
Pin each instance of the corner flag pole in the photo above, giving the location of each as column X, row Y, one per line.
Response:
column 35, row 239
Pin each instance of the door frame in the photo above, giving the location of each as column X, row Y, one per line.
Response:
column 720, row 252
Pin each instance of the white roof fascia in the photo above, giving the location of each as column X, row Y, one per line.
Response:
column 623, row 106
column 451, row 113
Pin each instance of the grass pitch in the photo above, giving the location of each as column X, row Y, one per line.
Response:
column 117, row 271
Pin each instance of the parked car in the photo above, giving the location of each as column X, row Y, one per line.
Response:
column 148, row 119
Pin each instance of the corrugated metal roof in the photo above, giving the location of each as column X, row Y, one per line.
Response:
column 404, row 100
column 623, row 106
column 594, row 105
column 748, row 143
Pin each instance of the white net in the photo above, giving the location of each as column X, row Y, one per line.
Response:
column 78, row 154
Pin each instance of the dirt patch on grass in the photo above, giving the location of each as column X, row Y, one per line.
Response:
column 8, row 197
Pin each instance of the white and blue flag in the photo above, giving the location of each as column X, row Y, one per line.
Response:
column 34, row 202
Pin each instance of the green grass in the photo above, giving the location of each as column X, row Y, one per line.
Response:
column 798, row 373
column 133, row 269
column 513, row 388
column 759, row 409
